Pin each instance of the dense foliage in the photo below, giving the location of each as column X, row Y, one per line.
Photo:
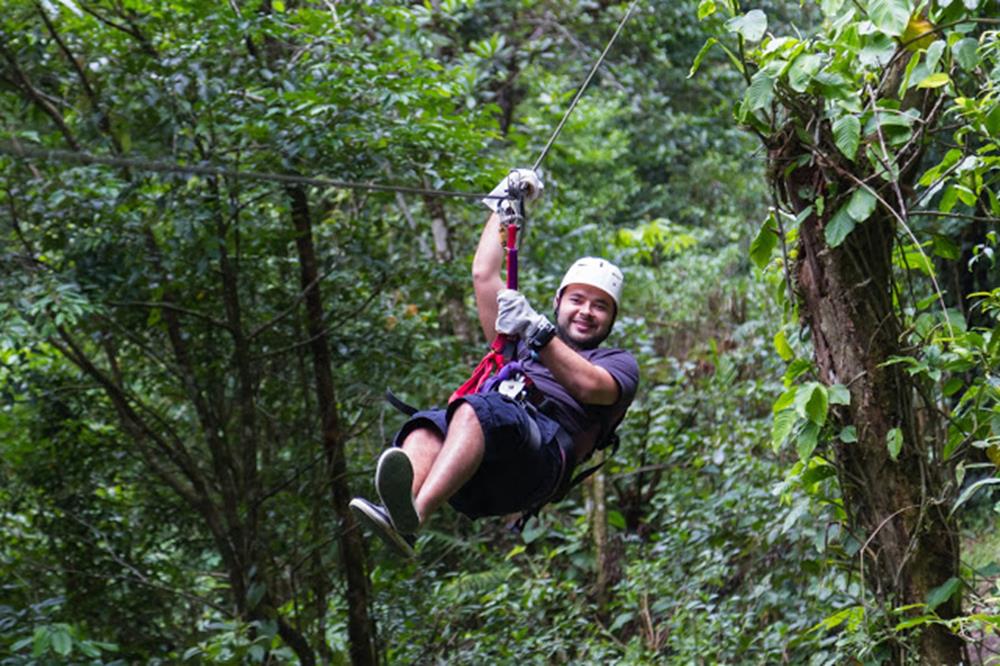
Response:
column 192, row 363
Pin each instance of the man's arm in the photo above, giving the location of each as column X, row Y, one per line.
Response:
column 486, row 281
column 588, row 383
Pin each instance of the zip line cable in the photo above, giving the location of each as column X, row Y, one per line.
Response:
column 18, row 150
column 586, row 82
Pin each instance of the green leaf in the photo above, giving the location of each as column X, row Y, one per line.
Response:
column 805, row 444
column 894, row 442
column 782, row 427
column 616, row 519
column 751, row 25
column 943, row 592
column 709, row 43
column 848, row 435
column 818, row 405
column 965, row 52
column 889, row 16
column 838, row 227
column 42, row 640
column 935, row 80
column 838, row 618
column 62, row 642
column 913, row 622
column 764, row 242
column 904, row 85
column 802, row 71
column 782, row 347
column 839, row 395
column 785, row 400
column 972, row 490
column 861, row 205
column 952, row 386
column 706, row 8
column 760, row 92
column 847, row 135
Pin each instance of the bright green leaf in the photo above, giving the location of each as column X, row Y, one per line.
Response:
column 764, row 242
column 783, row 348
column 706, row 8
column 894, row 442
column 847, row 135
column 935, row 80
column 818, row 405
column 709, row 43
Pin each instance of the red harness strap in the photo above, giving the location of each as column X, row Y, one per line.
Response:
column 487, row 367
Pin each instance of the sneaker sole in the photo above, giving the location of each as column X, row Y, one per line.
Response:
column 374, row 522
column 394, row 483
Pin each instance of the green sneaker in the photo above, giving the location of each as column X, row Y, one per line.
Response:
column 377, row 520
column 394, row 483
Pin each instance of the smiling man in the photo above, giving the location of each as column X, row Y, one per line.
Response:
column 499, row 452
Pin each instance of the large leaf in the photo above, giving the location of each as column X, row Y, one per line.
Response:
column 943, row 592
column 764, row 242
column 838, row 227
column 890, row 16
column 805, row 443
column 861, row 205
column 782, row 427
column 847, row 135
column 972, row 490
column 966, row 53
column 760, row 92
column 751, row 25
column 802, row 71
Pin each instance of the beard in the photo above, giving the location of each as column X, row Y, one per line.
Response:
column 587, row 343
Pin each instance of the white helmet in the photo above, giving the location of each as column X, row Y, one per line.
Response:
column 595, row 272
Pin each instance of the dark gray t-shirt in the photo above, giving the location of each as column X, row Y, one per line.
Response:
column 585, row 423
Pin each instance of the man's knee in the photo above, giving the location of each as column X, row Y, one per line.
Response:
column 422, row 436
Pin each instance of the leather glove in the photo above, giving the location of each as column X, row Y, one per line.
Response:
column 525, row 179
column 516, row 317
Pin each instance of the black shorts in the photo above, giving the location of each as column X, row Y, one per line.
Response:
column 517, row 474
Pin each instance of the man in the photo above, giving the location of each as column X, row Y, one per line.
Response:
column 491, row 454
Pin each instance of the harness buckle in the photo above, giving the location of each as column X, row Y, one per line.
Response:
column 513, row 387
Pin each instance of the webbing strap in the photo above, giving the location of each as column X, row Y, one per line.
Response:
column 490, row 364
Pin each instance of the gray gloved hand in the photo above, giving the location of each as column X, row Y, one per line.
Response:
column 516, row 317
column 525, row 179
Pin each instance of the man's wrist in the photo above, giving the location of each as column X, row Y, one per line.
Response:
column 542, row 335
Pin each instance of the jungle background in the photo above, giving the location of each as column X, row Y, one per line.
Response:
column 192, row 364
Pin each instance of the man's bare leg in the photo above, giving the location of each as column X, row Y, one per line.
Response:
column 457, row 460
column 422, row 446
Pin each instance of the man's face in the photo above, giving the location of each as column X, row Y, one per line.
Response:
column 584, row 316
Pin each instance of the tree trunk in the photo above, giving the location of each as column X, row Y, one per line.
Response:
column 909, row 544
column 599, row 530
column 354, row 567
